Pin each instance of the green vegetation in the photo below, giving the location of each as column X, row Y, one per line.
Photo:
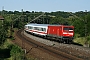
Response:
column 15, row 19
column 15, row 51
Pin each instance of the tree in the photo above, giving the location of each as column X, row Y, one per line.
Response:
column 3, row 35
column 16, row 52
column 79, row 27
column 88, row 23
column 58, row 20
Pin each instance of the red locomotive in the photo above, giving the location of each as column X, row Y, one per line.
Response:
column 61, row 32
column 64, row 33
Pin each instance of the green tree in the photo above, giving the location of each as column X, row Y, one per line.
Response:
column 79, row 27
column 88, row 23
column 58, row 20
column 16, row 52
column 3, row 35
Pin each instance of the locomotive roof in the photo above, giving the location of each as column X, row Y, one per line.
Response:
column 59, row 25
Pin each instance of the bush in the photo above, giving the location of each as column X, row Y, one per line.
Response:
column 16, row 52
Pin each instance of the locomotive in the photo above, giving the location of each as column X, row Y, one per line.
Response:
column 63, row 33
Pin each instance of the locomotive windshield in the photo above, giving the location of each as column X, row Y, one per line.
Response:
column 67, row 28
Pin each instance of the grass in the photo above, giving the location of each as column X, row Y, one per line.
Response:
column 81, row 40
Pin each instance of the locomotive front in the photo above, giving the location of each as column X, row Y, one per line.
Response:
column 68, row 33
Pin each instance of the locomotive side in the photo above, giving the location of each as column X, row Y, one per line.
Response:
column 61, row 32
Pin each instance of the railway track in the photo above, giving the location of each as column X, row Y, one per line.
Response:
column 47, row 49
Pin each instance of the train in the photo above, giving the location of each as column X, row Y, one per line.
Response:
column 62, row 33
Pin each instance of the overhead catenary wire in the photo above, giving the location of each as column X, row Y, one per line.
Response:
column 37, row 17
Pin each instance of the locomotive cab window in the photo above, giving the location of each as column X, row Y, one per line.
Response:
column 67, row 28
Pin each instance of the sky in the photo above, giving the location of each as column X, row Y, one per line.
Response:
column 45, row 5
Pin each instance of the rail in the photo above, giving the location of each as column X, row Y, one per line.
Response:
column 46, row 48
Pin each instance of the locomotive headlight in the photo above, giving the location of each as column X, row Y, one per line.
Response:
column 70, row 33
column 65, row 33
